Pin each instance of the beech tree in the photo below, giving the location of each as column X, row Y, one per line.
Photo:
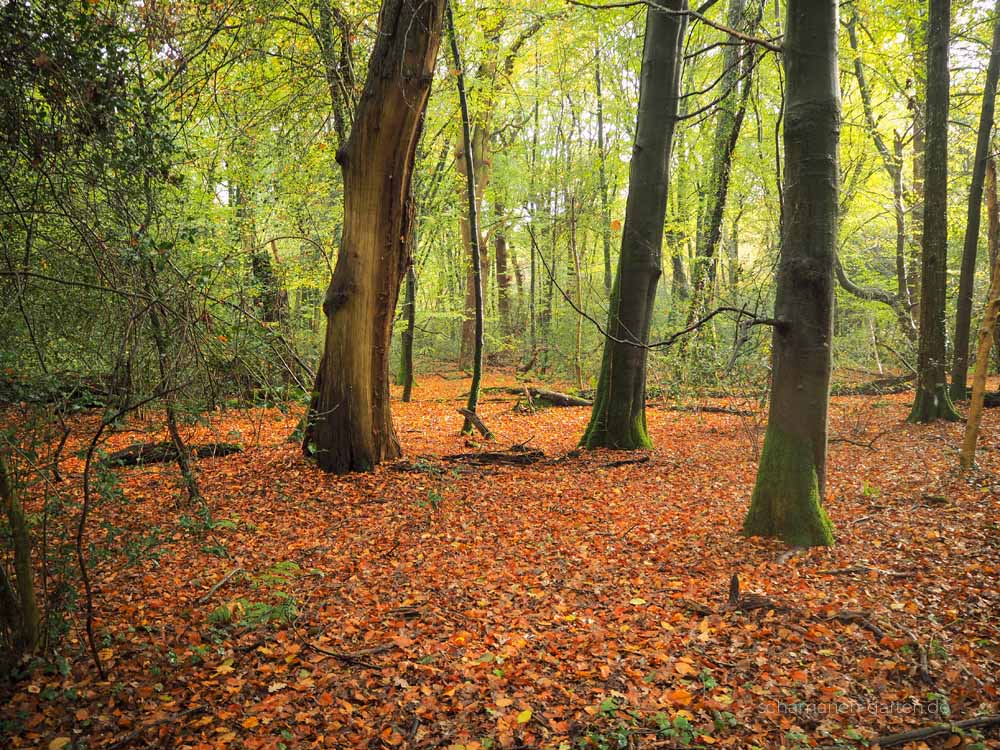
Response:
column 618, row 419
column 787, row 497
column 932, row 400
column 349, row 424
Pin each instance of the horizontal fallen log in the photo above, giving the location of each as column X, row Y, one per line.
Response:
column 163, row 452
column 708, row 409
column 552, row 398
column 503, row 458
column 879, row 387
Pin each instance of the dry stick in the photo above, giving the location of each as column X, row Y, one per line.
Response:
column 986, row 331
column 923, row 668
column 220, row 584
column 353, row 659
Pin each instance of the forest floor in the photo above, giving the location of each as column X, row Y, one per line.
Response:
column 566, row 603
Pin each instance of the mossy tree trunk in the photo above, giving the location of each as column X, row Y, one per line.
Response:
column 932, row 399
column 618, row 419
column 787, row 497
column 966, row 284
column 349, row 425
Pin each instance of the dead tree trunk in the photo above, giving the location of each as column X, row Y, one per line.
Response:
column 349, row 425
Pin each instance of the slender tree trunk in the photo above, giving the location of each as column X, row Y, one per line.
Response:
column 480, row 166
column 737, row 62
column 474, row 236
column 967, row 279
column 602, row 174
column 578, row 283
column 987, row 330
column 349, row 426
column 503, row 273
column 406, row 353
column 184, row 461
column 932, row 400
column 618, row 419
column 787, row 497
column 25, row 617
column 993, row 238
column 336, row 65
column 892, row 162
column 916, row 32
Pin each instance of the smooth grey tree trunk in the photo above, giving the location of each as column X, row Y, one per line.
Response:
column 787, row 497
column 618, row 419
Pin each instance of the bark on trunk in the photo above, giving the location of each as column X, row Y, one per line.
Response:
column 966, row 284
column 503, row 274
column 602, row 175
column 349, row 426
column 406, row 347
column 477, row 261
column 618, row 419
column 481, row 163
column 25, row 617
column 993, row 238
column 787, row 496
column 987, row 330
column 932, row 400
column 916, row 32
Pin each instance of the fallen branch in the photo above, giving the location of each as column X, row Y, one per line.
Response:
column 626, row 462
column 923, row 668
column 938, row 730
column 487, row 458
column 164, row 452
column 479, row 423
column 355, row 658
column 711, row 410
column 870, row 445
column 878, row 387
column 863, row 569
column 861, row 619
column 220, row 584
